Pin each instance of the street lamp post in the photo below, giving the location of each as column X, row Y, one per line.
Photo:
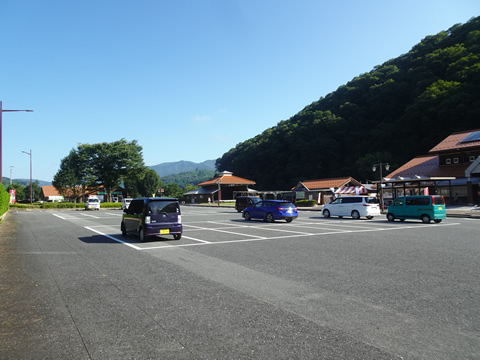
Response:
column 31, row 189
column 374, row 168
column 1, row 141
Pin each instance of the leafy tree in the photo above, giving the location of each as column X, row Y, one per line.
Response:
column 189, row 187
column 70, row 178
column 173, row 190
column 109, row 164
column 36, row 190
column 150, row 183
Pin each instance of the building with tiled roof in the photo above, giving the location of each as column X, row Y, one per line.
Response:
column 50, row 193
column 323, row 190
column 451, row 169
column 224, row 186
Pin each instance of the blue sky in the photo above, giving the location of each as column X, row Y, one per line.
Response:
column 187, row 79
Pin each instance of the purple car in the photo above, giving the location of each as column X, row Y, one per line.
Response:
column 271, row 210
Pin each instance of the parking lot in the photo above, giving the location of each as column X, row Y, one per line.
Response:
column 210, row 226
column 230, row 288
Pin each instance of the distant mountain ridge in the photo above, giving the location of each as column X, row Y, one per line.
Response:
column 177, row 167
column 24, row 182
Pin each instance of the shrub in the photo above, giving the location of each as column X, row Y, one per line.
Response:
column 305, row 203
column 4, row 200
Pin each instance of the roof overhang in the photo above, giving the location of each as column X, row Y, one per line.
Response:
column 415, row 179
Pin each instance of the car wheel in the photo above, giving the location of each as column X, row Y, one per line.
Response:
column 124, row 231
column 141, row 234
column 426, row 219
column 177, row 236
column 437, row 221
column 326, row 213
column 390, row 217
column 247, row 216
column 369, row 217
column 289, row 220
column 355, row 215
column 269, row 218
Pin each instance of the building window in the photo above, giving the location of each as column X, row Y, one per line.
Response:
column 472, row 158
column 455, row 160
column 448, row 161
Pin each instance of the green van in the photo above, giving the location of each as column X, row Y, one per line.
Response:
column 425, row 208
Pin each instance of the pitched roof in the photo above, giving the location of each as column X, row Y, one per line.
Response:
column 326, row 183
column 49, row 190
column 427, row 166
column 227, row 177
column 457, row 141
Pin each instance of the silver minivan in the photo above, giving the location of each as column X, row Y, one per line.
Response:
column 354, row 206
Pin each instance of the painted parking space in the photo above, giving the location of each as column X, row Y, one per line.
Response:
column 218, row 226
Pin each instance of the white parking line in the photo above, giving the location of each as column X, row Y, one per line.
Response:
column 270, row 227
column 93, row 216
column 113, row 238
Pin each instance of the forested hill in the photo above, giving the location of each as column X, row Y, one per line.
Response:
column 393, row 113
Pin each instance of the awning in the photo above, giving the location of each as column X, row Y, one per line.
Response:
column 357, row 190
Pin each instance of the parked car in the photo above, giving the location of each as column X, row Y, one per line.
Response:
column 354, row 206
column 152, row 216
column 242, row 202
column 423, row 207
column 125, row 202
column 271, row 210
column 93, row 202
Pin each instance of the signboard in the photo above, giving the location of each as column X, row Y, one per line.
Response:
column 13, row 196
column 300, row 195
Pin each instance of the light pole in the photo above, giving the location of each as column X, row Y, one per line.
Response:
column 1, row 141
column 31, row 189
column 11, row 169
column 374, row 168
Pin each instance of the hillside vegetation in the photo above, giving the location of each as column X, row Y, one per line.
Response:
column 188, row 177
column 393, row 113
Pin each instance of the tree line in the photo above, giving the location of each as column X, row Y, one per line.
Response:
column 399, row 110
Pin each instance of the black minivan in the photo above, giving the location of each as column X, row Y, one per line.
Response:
column 243, row 202
column 152, row 216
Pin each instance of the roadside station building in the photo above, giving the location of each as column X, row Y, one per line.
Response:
column 323, row 190
column 223, row 187
column 451, row 169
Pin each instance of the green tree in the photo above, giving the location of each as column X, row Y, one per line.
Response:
column 150, row 183
column 70, row 178
column 173, row 190
column 110, row 164
column 36, row 190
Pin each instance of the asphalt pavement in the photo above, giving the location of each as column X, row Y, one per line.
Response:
column 72, row 288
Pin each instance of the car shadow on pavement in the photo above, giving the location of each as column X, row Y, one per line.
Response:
column 98, row 239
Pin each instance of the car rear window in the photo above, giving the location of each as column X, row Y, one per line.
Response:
column 286, row 204
column 159, row 207
column 438, row 200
